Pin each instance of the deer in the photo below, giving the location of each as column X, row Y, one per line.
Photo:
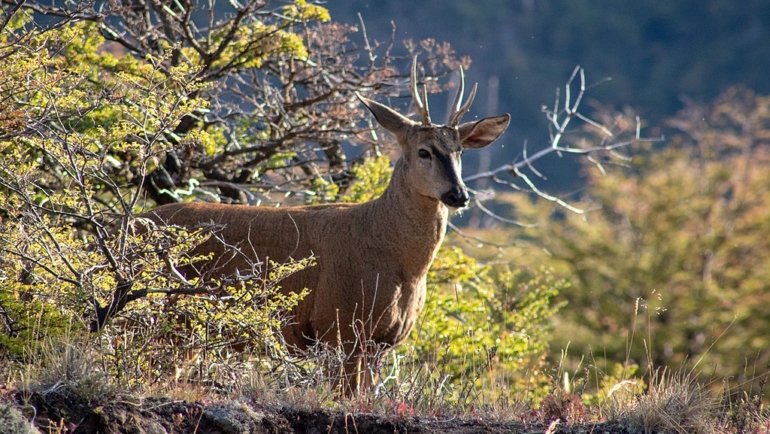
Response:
column 368, row 285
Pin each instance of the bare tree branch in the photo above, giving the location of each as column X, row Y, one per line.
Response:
column 560, row 118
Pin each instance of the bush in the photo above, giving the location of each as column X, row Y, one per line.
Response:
column 72, row 147
column 486, row 328
column 13, row 422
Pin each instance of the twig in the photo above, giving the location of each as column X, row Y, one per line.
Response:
column 560, row 116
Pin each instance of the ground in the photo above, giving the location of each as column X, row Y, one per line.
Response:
column 61, row 410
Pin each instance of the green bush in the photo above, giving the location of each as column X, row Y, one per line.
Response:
column 487, row 327
column 83, row 129
column 13, row 422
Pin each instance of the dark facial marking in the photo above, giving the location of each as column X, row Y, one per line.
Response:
column 445, row 160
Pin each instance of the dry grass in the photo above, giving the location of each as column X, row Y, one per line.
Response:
column 673, row 402
column 64, row 364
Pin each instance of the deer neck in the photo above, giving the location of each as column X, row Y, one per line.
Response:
column 411, row 225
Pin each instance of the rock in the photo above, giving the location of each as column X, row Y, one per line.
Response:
column 226, row 419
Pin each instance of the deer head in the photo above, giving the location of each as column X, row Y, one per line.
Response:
column 432, row 152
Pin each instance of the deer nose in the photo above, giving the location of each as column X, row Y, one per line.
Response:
column 456, row 197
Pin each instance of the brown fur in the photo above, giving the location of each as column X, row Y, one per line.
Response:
column 372, row 258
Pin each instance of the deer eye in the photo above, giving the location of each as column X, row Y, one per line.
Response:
column 422, row 153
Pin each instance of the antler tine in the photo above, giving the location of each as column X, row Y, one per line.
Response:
column 458, row 98
column 413, row 85
column 425, row 110
column 457, row 114
column 421, row 101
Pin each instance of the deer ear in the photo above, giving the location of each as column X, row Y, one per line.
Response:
column 390, row 119
column 478, row 134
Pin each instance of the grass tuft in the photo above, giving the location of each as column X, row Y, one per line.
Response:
column 675, row 403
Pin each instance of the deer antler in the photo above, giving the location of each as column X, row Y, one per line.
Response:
column 421, row 101
column 457, row 110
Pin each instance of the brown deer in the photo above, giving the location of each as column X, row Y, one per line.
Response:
column 368, row 286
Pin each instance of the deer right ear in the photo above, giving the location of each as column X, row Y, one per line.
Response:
column 478, row 134
column 390, row 119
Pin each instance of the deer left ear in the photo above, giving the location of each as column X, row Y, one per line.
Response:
column 390, row 119
column 478, row 134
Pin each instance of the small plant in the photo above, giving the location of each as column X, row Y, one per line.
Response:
column 745, row 410
column 71, row 363
column 564, row 407
column 13, row 422
column 674, row 403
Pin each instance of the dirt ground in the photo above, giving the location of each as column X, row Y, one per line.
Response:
column 60, row 410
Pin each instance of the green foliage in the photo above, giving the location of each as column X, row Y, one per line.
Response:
column 301, row 10
column 370, row 180
column 323, row 191
column 98, row 126
column 255, row 43
column 51, row 181
column 83, row 128
column 26, row 320
column 487, row 327
column 621, row 383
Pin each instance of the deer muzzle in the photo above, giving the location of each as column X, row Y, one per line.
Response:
column 456, row 197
